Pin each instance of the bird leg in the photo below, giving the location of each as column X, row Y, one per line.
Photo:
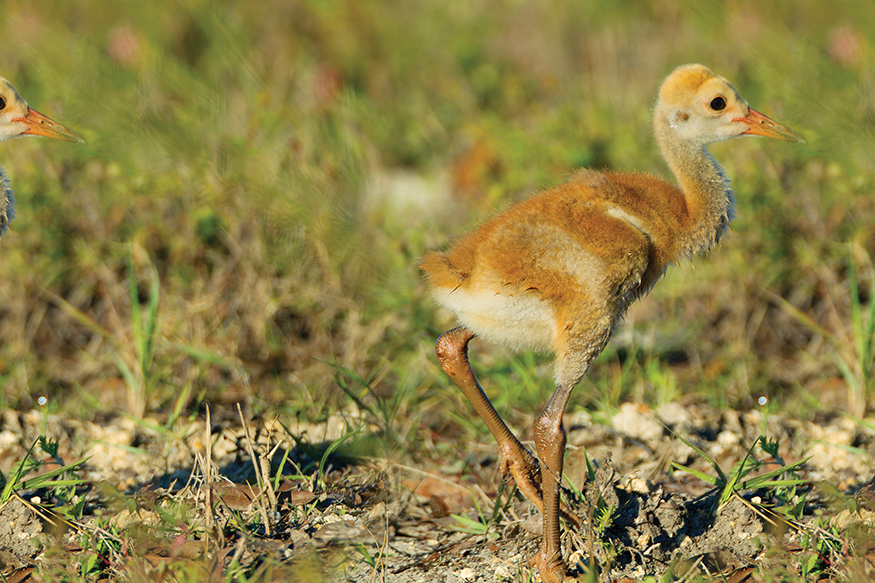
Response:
column 514, row 458
column 550, row 443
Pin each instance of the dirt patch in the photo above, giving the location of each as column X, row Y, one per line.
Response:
column 20, row 529
column 359, row 517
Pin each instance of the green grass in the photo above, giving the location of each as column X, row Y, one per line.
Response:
column 243, row 220
column 238, row 152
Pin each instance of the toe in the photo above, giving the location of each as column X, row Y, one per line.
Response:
column 551, row 568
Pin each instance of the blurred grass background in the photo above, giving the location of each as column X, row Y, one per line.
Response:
column 268, row 174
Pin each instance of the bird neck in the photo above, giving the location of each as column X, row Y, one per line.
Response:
column 710, row 201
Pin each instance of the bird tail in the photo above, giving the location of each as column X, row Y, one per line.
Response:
column 439, row 272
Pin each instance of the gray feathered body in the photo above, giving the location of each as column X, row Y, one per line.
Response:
column 7, row 203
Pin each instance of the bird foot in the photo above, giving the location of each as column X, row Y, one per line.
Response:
column 551, row 568
column 525, row 470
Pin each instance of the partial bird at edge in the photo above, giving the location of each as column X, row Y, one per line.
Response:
column 16, row 120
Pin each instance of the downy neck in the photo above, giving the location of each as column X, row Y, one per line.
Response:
column 710, row 200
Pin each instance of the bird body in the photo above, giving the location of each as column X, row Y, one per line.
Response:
column 17, row 119
column 558, row 271
column 586, row 248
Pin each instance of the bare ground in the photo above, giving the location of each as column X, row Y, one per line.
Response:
column 368, row 518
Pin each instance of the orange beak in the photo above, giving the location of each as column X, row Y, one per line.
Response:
column 760, row 125
column 39, row 125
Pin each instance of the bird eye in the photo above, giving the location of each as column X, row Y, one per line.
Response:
column 718, row 104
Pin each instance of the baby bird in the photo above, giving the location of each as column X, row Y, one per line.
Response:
column 17, row 119
column 558, row 271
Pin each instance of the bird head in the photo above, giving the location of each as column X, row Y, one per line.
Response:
column 700, row 108
column 17, row 119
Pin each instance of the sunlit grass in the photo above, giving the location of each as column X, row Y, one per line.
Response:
column 238, row 154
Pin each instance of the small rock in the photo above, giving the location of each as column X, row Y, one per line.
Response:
column 634, row 485
column 846, row 518
column 728, row 438
column 503, row 572
column 338, row 531
column 674, row 414
column 576, row 558
column 638, row 422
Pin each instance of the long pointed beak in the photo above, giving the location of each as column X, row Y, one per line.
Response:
column 39, row 125
column 760, row 125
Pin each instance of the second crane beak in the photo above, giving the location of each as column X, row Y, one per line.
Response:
column 39, row 125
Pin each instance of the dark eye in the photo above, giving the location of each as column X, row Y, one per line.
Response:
column 2, row 103
column 718, row 104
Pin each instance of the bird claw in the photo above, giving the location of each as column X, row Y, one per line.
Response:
column 520, row 466
column 552, row 569
column 524, row 468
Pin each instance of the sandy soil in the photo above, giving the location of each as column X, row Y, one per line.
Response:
column 369, row 518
